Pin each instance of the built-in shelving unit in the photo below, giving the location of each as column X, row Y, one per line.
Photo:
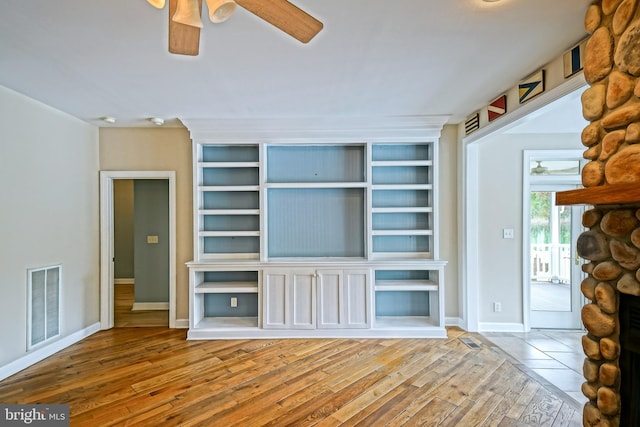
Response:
column 402, row 201
column 228, row 201
column 316, row 239
column 213, row 288
column 409, row 297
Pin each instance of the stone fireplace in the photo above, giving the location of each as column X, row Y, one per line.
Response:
column 611, row 246
column 613, row 289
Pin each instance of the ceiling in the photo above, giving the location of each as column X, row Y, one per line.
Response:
column 373, row 58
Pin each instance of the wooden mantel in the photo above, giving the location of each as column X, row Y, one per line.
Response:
column 614, row 194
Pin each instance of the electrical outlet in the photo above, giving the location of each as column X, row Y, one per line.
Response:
column 497, row 307
column 152, row 240
column 234, row 302
column 507, row 233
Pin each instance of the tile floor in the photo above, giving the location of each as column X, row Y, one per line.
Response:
column 554, row 355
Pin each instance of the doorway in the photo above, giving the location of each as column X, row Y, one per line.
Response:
column 141, row 252
column 552, row 270
column 549, row 121
column 107, row 240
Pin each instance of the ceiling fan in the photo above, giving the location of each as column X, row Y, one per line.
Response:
column 185, row 21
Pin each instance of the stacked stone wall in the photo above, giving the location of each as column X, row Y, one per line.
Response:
column 612, row 248
column 612, row 245
column 612, row 102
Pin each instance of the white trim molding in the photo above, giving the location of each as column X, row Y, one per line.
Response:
column 149, row 306
column 317, row 129
column 106, row 240
column 500, row 327
column 182, row 324
column 454, row 321
column 42, row 353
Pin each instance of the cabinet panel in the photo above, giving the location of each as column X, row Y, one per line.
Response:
column 357, row 300
column 330, row 299
column 275, row 300
column 303, row 302
column 343, row 298
column 289, row 300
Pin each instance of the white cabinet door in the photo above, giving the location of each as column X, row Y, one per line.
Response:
column 356, row 297
column 275, row 300
column 343, row 298
column 331, row 313
column 303, row 300
column 289, row 300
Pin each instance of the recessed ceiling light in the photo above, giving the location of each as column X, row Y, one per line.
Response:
column 157, row 121
column 109, row 119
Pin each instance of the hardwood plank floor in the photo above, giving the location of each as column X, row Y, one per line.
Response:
column 153, row 376
column 123, row 316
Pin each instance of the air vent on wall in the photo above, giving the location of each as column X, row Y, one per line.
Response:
column 43, row 321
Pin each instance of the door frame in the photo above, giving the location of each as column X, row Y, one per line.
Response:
column 528, row 183
column 469, row 203
column 107, row 240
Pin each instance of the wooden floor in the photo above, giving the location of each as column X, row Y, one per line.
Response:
column 123, row 316
column 153, row 376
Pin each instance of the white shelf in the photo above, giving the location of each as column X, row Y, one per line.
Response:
column 227, row 288
column 227, row 323
column 402, row 187
column 403, row 322
column 402, row 163
column 228, row 164
column 401, row 232
column 203, row 188
column 316, row 185
column 406, row 285
column 403, row 210
column 229, row 211
column 227, row 256
column 400, row 256
column 228, row 233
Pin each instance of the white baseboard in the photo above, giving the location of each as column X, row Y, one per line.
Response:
column 454, row 321
column 182, row 324
column 124, row 281
column 500, row 327
column 44, row 352
column 139, row 306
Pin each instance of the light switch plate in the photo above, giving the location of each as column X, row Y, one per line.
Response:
column 152, row 239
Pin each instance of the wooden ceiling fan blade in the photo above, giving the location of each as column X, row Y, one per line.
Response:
column 183, row 39
column 286, row 16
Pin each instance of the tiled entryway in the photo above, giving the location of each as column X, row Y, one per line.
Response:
column 554, row 355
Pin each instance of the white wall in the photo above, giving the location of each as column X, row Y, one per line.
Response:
column 500, row 196
column 159, row 149
column 448, row 215
column 48, row 215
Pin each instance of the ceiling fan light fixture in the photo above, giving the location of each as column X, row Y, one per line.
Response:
column 221, row 10
column 188, row 13
column 156, row 3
